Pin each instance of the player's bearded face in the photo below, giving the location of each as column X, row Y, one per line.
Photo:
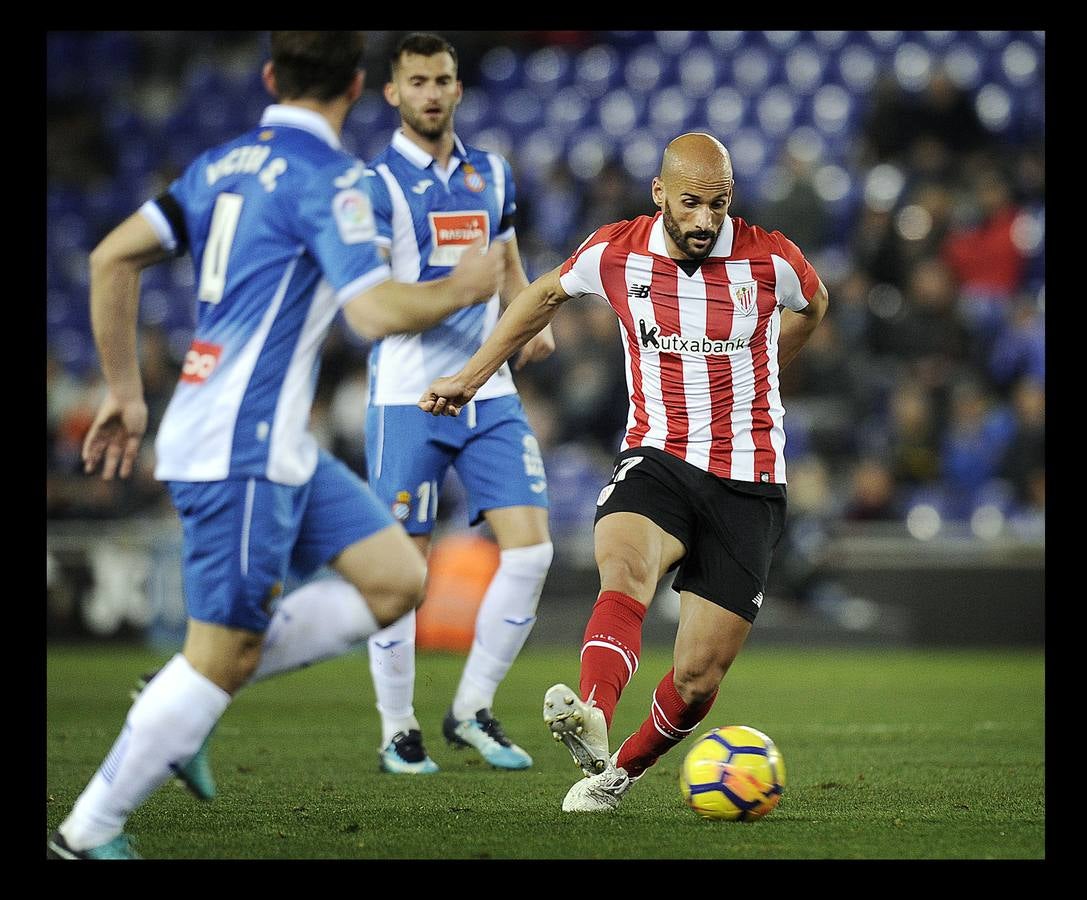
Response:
column 430, row 118
column 429, row 93
column 695, row 240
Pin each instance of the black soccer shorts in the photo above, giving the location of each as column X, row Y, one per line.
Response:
column 730, row 528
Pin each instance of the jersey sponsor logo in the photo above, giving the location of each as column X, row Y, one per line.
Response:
column 472, row 179
column 246, row 160
column 421, row 186
column 648, row 338
column 200, row 361
column 651, row 339
column 744, row 294
column 450, row 233
column 354, row 216
column 641, row 291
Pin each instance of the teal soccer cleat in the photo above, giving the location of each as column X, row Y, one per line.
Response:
column 485, row 734
column 406, row 755
column 119, row 848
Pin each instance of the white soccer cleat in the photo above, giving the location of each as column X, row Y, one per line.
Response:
column 598, row 793
column 580, row 725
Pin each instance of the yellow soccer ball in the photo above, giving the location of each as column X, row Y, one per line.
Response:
column 734, row 773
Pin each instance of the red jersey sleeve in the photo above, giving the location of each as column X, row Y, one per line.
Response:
column 802, row 269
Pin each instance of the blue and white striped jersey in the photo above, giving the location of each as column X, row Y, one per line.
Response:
column 281, row 233
column 426, row 217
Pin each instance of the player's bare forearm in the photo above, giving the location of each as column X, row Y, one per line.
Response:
column 528, row 314
column 115, row 266
column 395, row 307
column 797, row 327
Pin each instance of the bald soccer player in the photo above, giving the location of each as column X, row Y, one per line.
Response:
column 710, row 309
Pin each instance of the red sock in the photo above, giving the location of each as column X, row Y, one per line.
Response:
column 610, row 648
column 670, row 721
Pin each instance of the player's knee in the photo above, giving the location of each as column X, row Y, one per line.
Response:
column 696, row 683
column 626, row 569
column 402, row 592
column 529, row 565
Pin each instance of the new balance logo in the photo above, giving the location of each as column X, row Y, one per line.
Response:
column 757, row 599
column 641, row 291
column 421, row 187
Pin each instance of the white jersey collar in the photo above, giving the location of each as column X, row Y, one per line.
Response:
column 300, row 117
column 418, row 156
column 723, row 247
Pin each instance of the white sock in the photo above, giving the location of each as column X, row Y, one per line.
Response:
column 166, row 725
column 392, row 665
column 505, row 619
column 320, row 620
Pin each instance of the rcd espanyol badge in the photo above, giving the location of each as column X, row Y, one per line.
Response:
column 472, row 179
column 402, row 506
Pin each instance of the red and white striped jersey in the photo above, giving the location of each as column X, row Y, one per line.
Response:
column 701, row 349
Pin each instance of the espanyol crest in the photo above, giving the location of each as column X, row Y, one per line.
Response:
column 744, row 295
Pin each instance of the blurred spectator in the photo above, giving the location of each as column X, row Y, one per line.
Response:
column 795, row 206
column 77, row 150
column 1019, row 348
column 557, row 211
column 923, row 326
column 611, row 198
column 977, row 437
column 872, row 493
column 983, row 253
column 930, row 131
column 1024, row 456
column 913, row 448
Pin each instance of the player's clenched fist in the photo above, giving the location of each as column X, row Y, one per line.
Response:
column 479, row 274
column 446, row 396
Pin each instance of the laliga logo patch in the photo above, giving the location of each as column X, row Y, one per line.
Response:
column 744, row 294
column 402, row 506
column 472, row 179
column 354, row 217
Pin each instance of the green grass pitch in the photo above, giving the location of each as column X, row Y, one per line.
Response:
column 890, row 755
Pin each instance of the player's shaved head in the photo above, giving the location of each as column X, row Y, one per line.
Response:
column 696, row 157
column 693, row 191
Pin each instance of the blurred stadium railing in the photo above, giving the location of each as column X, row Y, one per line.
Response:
column 909, row 165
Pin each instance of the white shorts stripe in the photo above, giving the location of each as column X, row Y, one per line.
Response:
column 247, row 521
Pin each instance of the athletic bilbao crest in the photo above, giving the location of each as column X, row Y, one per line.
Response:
column 744, row 294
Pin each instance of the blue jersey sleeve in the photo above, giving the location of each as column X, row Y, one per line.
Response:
column 382, row 204
column 339, row 229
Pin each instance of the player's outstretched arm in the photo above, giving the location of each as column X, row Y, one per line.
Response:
column 541, row 345
column 118, row 427
column 530, row 312
column 396, row 307
column 797, row 327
